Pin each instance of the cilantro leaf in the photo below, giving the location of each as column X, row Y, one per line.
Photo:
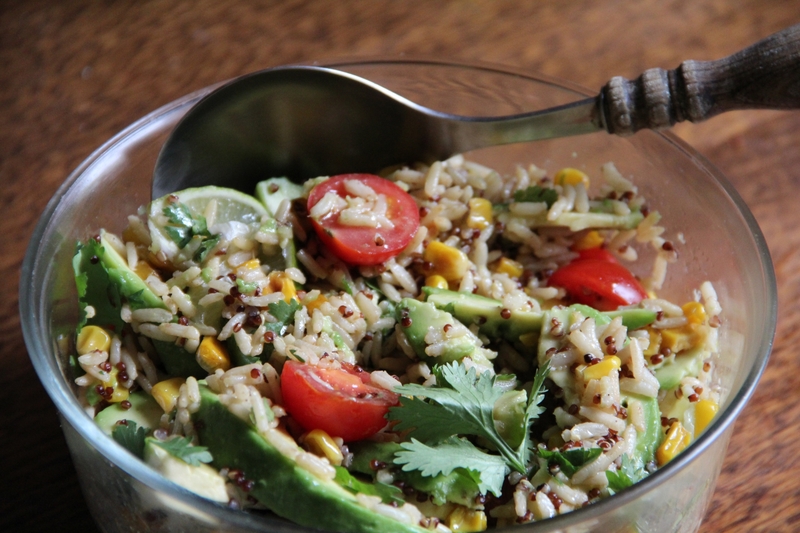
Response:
column 572, row 460
column 205, row 248
column 533, row 409
column 282, row 311
column 388, row 493
column 488, row 471
column 181, row 447
column 625, row 476
column 131, row 437
column 536, row 193
column 463, row 405
column 96, row 287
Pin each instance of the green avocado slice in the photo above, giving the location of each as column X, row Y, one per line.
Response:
column 279, row 483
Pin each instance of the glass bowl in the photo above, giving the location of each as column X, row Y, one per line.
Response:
column 723, row 244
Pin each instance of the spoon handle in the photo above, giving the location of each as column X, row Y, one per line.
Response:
column 765, row 75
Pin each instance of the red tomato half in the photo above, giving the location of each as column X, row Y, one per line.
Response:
column 358, row 245
column 598, row 283
column 340, row 402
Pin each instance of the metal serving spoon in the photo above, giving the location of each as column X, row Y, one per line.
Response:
column 304, row 121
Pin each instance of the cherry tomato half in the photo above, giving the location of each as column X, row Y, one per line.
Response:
column 598, row 283
column 358, row 245
column 340, row 402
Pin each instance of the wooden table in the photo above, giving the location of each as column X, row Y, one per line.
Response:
column 74, row 73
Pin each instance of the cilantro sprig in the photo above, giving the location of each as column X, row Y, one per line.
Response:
column 131, row 437
column 183, row 227
column 570, row 461
column 181, row 447
column 461, row 405
column 535, row 193
column 625, row 476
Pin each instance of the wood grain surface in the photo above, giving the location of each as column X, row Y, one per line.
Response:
column 73, row 73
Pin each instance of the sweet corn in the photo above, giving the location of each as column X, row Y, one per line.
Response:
column 610, row 364
column 677, row 439
column 590, row 239
column 529, row 339
column 212, row 354
column 655, row 342
column 510, row 267
column 704, row 412
column 436, row 281
column 694, row 312
column 448, row 262
column 466, row 520
column 120, row 394
column 571, row 176
column 144, row 270
column 166, row 393
column 480, row 213
column 316, row 303
column 320, row 443
column 679, row 339
column 92, row 338
column 279, row 281
column 250, row 265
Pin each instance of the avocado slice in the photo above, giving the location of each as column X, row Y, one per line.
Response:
column 200, row 479
column 177, row 361
column 423, row 317
column 144, row 411
column 648, row 441
column 455, row 487
column 279, row 483
column 688, row 363
column 471, row 308
column 105, row 282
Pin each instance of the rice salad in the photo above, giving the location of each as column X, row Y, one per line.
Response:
column 441, row 347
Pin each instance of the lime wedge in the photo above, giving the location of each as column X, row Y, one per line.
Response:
column 208, row 210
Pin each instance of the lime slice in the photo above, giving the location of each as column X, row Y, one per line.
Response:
column 272, row 192
column 218, row 210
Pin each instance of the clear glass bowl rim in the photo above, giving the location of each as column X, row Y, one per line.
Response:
column 46, row 367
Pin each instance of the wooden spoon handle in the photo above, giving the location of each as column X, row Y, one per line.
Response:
column 765, row 75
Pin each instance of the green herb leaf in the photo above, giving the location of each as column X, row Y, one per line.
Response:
column 131, row 437
column 536, row 193
column 181, row 447
column 205, row 248
column 488, row 471
column 461, row 405
column 572, row 460
column 533, row 410
column 388, row 494
column 625, row 476
column 284, row 312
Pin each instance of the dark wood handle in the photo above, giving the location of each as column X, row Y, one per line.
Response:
column 765, row 75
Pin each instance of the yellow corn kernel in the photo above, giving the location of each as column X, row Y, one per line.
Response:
column 92, row 338
column 212, row 354
column 316, row 303
column 571, row 176
column 694, row 312
column 465, row 520
column 679, row 339
column 677, row 440
column 510, row 267
column 480, row 213
column 320, row 443
column 436, row 281
column 590, row 239
column 655, row 342
column 166, row 393
column 704, row 412
column 610, row 364
column 448, row 262
column 144, row 270
column 120, row 393
column 279, row 281
column 529, row 339
column 250, row 265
